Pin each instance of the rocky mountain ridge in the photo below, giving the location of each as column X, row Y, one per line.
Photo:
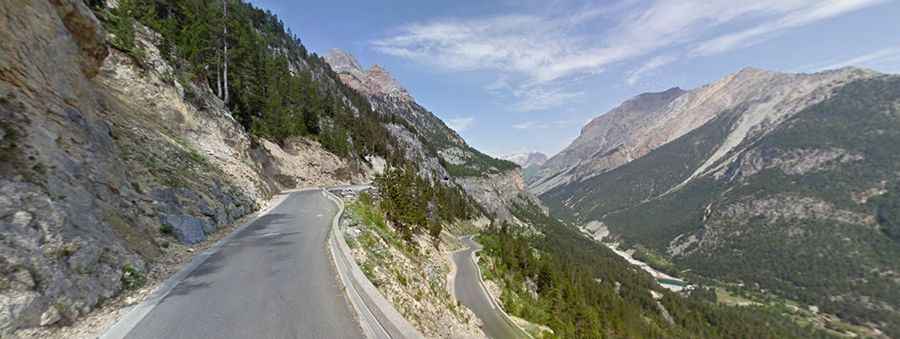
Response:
column 374, row 81
column 650, row 120
column 776, row 182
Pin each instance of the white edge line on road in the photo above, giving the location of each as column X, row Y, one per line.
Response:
column 132, row 317
column 371, row 327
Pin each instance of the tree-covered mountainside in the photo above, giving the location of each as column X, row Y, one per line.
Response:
column 413, row 205
column 805, row 210
column 581, row 289
column 268, row 80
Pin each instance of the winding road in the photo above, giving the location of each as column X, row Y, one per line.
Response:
column 272, row 279
column 469, row 290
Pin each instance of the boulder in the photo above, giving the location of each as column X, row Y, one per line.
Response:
column 188, row 229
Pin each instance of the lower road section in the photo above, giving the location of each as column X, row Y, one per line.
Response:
column 469, row 291
column 274, row 279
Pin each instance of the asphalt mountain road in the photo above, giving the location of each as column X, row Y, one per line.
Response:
column 469, row 291
column 273, row 279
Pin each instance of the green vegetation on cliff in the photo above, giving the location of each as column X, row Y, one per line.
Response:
column 581, row 289
column 820, row 231
column 414, row 205
column 274, row 87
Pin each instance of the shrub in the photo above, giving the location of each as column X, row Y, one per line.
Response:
column 132, row 278
column 166, row 229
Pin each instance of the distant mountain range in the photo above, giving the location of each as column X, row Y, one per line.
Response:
column 784, row 183
column 526, row 159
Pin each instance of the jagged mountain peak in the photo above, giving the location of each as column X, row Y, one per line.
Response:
column 385, row 83
column 374, row 81
column 342, row 61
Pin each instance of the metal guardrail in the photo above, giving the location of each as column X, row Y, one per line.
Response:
column 377, row 316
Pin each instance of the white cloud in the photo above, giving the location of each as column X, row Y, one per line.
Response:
column 519, row 44
column 527, row 125
column 534, row 125
column 532, row 52
column 884, row 58
column 499, row 85
column 635, row 75
column 793, row 16
column 460, row 124
column 536, row 98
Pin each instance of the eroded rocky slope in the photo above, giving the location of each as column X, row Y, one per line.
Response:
column 650, row 120
column 111, row 154
column 105, row 160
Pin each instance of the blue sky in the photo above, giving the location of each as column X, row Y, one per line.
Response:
column 514, row 76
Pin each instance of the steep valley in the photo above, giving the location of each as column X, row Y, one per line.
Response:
column 785, row 196
column 134, row 134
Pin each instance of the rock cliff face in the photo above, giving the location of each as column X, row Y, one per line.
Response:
column 776, row 181
column 105, row 160
column 498, row 192
column 373, row 82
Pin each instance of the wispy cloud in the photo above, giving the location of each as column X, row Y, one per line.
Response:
column 790, row 16
column 635, row 75
column 885, row 59
column 536, row 98
column 501, row 85
column 535, row 125
column 526, row 44
column 526, row 125
column 460, row 124
column 888, row 58
column 531, row 53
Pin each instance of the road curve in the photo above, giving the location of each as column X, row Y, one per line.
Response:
column 273, row 279
column 469, row 291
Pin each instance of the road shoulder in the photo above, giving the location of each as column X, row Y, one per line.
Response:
column 128, row 317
